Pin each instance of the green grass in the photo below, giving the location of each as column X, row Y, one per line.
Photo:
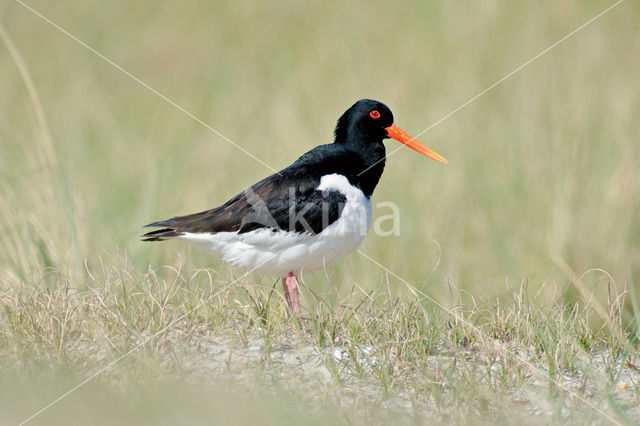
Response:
column 164, row 336
column 511, row 282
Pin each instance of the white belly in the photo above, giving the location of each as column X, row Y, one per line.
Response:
column 279, row 252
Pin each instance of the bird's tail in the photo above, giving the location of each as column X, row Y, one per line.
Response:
column 161, row 234
column 167, row 232
column 176, row 226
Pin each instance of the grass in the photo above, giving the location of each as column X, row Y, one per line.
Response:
column 361, row 358
column 509, row 295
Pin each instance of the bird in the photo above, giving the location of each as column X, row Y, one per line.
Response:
column 308, row 215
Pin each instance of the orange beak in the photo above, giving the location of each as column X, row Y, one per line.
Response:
column 398, row 134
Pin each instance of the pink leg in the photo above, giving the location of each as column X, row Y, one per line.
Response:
column 290, row 285
column 286, row 291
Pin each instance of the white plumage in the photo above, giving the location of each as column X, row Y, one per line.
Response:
column 277, row 253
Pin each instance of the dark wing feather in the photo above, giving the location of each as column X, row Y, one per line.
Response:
column 287, row 201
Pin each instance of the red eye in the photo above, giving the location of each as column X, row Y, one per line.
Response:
column 374, row 114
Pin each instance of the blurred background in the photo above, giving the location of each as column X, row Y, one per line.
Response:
column 541, row 193
column 544, row 168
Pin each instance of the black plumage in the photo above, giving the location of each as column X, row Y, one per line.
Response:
column 289, row 200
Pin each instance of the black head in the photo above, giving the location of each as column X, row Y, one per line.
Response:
column 366, row 121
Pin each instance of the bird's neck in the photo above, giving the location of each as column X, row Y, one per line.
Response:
column 373, row 157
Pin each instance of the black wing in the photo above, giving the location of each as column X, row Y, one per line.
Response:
column 286, row 201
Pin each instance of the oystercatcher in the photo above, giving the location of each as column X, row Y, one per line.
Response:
column 308, row 215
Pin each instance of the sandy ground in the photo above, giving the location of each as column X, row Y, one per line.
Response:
column 306, row 370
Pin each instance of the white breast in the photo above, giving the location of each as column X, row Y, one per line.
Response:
column 279, row 252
